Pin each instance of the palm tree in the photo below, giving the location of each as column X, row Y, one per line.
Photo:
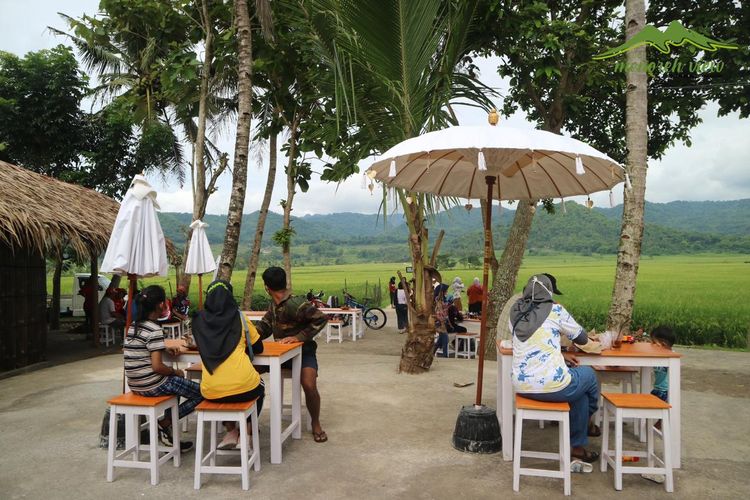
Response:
column 397, row 65
column 636, row 136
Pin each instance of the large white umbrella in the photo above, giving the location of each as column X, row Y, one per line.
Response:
column 136, row 247
column 498, row 163
column 200, row 259
column 527, row 164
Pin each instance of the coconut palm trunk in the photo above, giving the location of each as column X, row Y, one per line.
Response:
column 242, row 141
column 636, row 137
column 252, row 267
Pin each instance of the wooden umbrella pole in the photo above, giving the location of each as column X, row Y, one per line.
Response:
column 131, row 291
column 490, row 180
column 200, row 292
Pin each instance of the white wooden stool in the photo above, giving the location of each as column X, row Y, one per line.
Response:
column 469, row 348
column 172, row 329
column 330, row 326
column 132, row 406
column 626, row 376
column 227, row 412
column 645, row 406
column 529, row 409
column 106, row 334
column 286, row 409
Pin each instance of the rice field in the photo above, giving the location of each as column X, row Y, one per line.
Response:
column 705, row 298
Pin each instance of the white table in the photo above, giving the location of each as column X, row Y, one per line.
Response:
column 357, row 321
column 642, row 354
column 274, row 355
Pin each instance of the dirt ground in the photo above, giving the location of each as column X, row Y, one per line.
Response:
column 389, row 435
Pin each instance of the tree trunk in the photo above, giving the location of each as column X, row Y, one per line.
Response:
column 242, row 141
column 95, row 298
column 507, row 273
column 54, row 319
column 252, row 267
column 636, row 137
column 418, row 352
column 200, row 194
column 287, row 205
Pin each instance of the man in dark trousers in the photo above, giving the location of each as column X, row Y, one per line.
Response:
column 293, row 319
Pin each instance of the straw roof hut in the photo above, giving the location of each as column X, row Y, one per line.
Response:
column 40, row 216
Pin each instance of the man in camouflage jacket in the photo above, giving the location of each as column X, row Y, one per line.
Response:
column 293, row 319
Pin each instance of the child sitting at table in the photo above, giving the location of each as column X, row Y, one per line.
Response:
column 146, row 373
column 662, row 336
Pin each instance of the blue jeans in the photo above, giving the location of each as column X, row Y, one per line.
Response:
column 583, row 396
column 178, row 386
column 442, row 343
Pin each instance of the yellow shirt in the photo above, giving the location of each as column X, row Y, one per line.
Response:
column 235, row 375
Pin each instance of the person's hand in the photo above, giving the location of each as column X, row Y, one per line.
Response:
column 570, row 359
column 174, row 351
column 288, row 340
column 179, row 373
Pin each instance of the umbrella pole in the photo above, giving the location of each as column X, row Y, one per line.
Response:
column 200, row 292
column 477, row 429
column 131, row 291
column 490, row 180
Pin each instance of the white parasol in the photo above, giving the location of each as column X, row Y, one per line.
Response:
column 200, row 259
column 136, row 247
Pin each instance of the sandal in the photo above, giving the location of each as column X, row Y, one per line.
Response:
column 320, row 437
column 587, row 456
column 594, row 430
column 578, row 466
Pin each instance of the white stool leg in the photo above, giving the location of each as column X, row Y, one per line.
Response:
column 212, row 449
column 153, row 446
column 565, row 452
column 517, row 450
column 112, row 443
column 618, row 449
column 666, row 433
column 256, row 439
column 328, row 332
column 176, row 432
column 198, row 451
column 650, row 442
column 541, row 424
column 135, row 423
column 605, row 438
column 243, row 454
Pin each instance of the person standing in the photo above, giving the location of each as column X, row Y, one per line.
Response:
column 402, row 310
column 293, row 319
column 475, row 294
column 392, row 290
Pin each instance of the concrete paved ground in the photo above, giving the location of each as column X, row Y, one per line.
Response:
column 389, row 436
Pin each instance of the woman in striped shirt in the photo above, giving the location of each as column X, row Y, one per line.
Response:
column 146, row 373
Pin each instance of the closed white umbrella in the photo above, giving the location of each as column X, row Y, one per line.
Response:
column 200, row 259
column 136, row 247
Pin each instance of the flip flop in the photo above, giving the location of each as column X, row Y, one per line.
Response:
column 579, row 466
column 320, row 437
column 657, row 478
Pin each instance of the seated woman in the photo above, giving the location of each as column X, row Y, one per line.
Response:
column 146, row 374
column 539, row 367
column 223, row 334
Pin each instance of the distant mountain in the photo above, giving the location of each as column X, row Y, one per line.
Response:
column 719, row 217
column 671, row 228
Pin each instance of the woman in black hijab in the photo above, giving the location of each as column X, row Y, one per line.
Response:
column 223, row 334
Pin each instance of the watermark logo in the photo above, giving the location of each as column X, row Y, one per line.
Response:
column 675, row 35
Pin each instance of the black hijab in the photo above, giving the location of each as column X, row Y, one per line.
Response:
column 530, row 311
column 217, row 328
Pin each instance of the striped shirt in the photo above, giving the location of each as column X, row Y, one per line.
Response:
column 137, row 350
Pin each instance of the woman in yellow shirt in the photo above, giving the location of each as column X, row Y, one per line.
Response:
column 222, row 335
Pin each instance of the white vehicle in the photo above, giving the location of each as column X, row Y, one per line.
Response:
column 74, row 302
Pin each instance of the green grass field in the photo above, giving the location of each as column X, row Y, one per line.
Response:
column 706, row 298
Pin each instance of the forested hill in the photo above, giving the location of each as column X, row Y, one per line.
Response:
column 671, row 228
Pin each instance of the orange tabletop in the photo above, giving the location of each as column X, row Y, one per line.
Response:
column 273, row 349
column 637, row 350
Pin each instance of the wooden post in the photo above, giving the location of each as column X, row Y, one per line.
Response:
column 490, row 180
column 200, row 292
column 94, row 297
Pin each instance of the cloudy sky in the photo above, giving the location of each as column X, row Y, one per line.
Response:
column 716, row 167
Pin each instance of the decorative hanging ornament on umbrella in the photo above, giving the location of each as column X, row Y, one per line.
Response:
column 136, row 247
column 200, row 259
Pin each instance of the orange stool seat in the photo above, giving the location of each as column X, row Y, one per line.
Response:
column 643, row 401
column 206, row 405
column 533, row 404
column 133, row 399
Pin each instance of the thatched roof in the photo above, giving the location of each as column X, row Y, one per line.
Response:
column 37, row 211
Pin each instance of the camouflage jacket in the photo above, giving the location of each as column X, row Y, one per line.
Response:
column 292, row 317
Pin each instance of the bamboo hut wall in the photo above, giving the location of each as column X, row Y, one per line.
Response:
column 23, row 305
